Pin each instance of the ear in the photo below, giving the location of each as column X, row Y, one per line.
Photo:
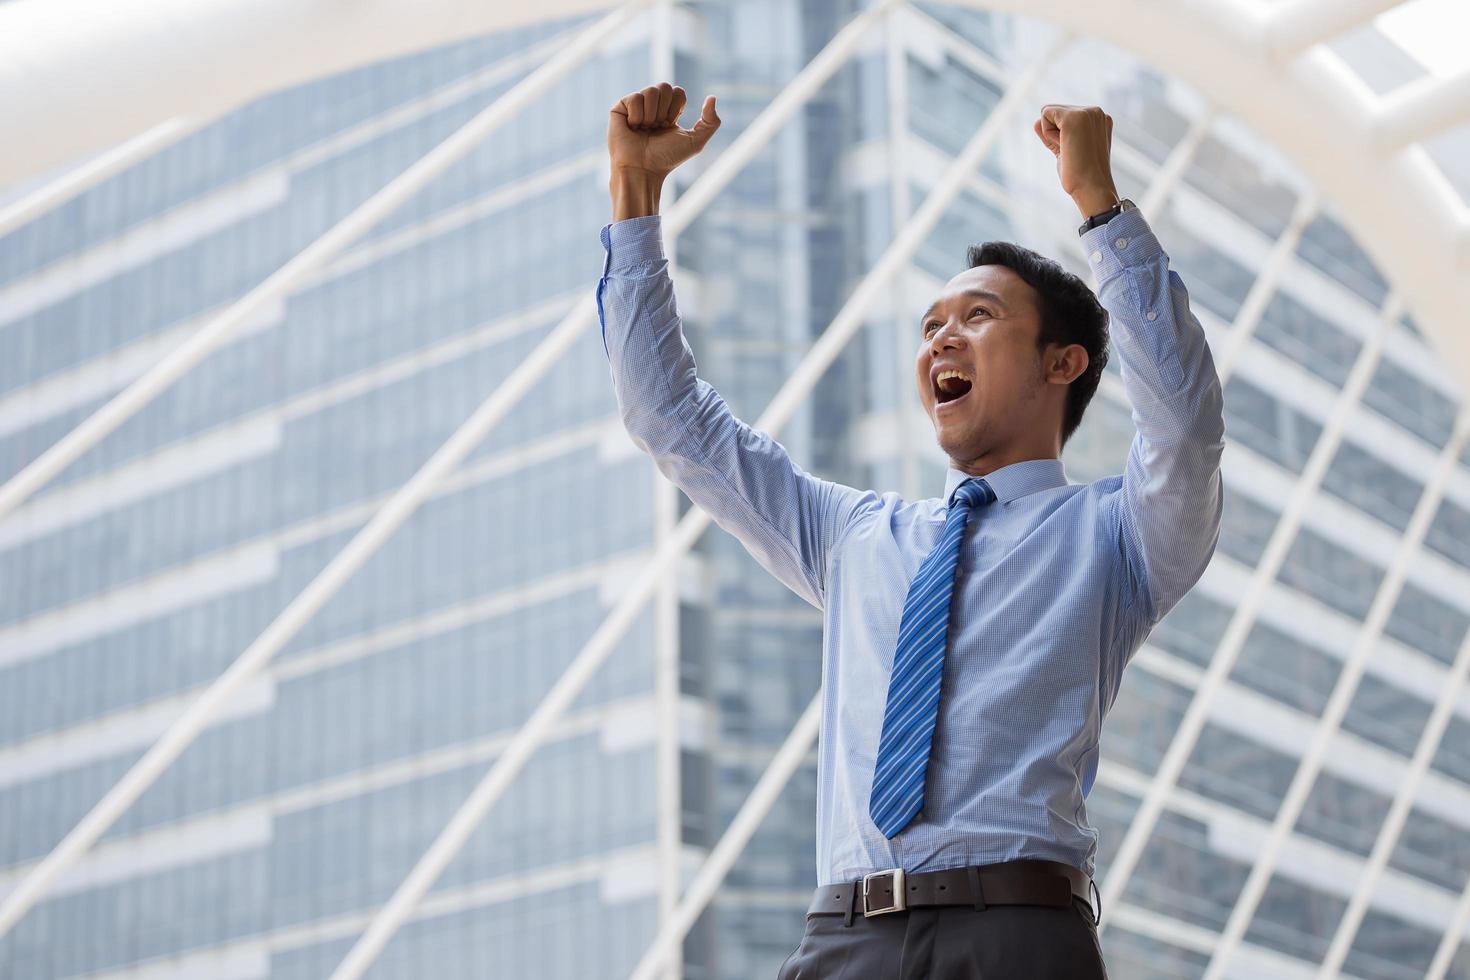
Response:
column 1064, row 364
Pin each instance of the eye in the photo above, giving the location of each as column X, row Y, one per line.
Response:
column 934, row 323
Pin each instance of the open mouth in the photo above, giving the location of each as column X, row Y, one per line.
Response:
column 949, row 390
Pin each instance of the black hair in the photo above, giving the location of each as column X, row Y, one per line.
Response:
column 1070, row 314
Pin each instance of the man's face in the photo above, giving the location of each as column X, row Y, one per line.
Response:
column 984, row 324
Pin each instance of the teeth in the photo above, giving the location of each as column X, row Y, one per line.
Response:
column 951, row 374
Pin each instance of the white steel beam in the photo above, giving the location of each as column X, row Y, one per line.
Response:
column 1449, row 943
column 393, row 513
column 732, row 842
column 131, row 400
column 1171, row 171
column 668, row 751
column 493, row 785
column 1215, row 46
column 93, row 172
column 1292, row 27
column 784, row 764
column 900, row 206
column 1264, row 288
column 182, row 58
column 96, row 73
column 1282, row 537
column 1429, row 739
column 1421, row 110
column 1330, row 722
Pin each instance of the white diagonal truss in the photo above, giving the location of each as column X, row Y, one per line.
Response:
column 113, row 161
column 757, row 805
column 1266, row 63
column 599, row 647
column 219, row 329
column 1328, row 725
column 1449, row 943
column 1283, row 535
column 1422, row 110
column 1264, row 288
column 366, row 542
column 1429, row 739
column 1296, row 25
column 1176, row 163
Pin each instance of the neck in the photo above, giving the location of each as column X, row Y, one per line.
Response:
column 988, row 462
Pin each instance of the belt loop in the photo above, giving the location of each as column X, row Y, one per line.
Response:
column 975, row 890
column 851, row 904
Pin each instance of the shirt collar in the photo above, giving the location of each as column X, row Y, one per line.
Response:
column 1014, row 480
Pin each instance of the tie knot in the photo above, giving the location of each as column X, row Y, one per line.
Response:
column 972, row 493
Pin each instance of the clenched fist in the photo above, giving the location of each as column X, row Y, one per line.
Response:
column 643, row 131
column 1081, row 137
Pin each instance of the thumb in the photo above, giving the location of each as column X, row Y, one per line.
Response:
column 708, row 121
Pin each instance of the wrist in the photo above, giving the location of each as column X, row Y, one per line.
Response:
column 635, row 192
column 1095, row 200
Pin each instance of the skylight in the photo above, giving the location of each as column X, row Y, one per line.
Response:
column 1433, row 32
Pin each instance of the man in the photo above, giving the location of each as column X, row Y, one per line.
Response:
column 972, row 642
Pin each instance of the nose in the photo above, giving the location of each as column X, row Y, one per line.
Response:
column 947, row 337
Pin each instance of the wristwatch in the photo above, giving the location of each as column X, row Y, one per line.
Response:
column 1103, row 217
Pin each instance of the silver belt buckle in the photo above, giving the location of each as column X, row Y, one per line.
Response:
column 899, row 901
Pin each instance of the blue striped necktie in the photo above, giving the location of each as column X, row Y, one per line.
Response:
column 918, row 666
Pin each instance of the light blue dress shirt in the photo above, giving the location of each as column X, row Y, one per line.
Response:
column 1058, row 583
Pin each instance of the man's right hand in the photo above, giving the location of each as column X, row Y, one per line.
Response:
column 643, row 132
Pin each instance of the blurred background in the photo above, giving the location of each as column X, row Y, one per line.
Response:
column 144, row 568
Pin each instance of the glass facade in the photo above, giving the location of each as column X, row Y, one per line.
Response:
column 142, row 571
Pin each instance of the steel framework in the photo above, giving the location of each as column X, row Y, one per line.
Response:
column 1264, row 63
column 1328, row 725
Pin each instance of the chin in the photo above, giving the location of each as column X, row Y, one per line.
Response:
column 953, row 441
column 961, row 438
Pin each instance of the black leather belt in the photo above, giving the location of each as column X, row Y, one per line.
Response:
column 1022, row 882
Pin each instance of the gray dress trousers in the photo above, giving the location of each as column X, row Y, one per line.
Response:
column 951, row 942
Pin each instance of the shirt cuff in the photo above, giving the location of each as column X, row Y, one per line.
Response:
column 1126, row 240
column 632, row 241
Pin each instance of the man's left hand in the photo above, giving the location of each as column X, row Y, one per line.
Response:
column 1081, row 137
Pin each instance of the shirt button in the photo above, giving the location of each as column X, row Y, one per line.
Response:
column 1097, row 256
column 1121, row 243
column 1152, row 315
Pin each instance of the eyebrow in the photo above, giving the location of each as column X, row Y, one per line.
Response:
column 977, row 293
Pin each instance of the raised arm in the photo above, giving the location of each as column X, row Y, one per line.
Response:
column 1171, row 498
column 786, row 518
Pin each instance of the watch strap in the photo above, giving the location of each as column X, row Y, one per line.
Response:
column 1103, row 217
